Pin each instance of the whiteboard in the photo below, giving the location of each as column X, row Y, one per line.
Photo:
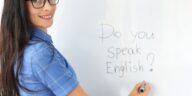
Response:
column 113, row 44
column 1, row 7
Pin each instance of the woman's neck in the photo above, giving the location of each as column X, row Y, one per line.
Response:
column 43, row 29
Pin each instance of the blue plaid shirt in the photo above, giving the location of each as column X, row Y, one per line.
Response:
column 45, row 71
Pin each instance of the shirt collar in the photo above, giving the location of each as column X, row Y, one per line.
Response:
column 41, row 35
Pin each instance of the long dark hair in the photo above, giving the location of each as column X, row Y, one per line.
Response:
column 14, row 36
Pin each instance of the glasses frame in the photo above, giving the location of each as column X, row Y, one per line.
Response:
column 43, row 3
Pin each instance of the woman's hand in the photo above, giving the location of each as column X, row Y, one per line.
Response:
column 135, row 91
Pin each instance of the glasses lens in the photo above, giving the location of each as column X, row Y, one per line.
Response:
column 53, row 2
column 38, row 3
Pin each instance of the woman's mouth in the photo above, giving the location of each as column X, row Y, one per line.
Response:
column 46, row 17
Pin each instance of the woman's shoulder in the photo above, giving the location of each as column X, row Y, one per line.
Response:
column 38, row 47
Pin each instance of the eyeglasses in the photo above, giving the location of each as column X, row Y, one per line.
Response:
column 41, row 3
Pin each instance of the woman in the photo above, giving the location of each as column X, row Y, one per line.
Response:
column 30, row 64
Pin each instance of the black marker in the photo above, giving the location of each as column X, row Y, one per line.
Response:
column 142, row 87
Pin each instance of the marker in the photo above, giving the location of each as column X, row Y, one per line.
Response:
column 142, row 88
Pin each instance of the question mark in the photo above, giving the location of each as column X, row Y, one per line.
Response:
column 151, row 58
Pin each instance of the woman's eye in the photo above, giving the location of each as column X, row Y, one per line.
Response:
column 37, row 1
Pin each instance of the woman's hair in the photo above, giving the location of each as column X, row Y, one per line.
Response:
column 14, row 36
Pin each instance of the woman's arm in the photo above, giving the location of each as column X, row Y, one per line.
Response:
column 78, row 91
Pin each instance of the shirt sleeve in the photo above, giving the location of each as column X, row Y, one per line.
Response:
column 52, row 69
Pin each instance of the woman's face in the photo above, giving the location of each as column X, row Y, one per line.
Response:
column 41, row 18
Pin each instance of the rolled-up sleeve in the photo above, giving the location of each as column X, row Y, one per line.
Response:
column 52, row 69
